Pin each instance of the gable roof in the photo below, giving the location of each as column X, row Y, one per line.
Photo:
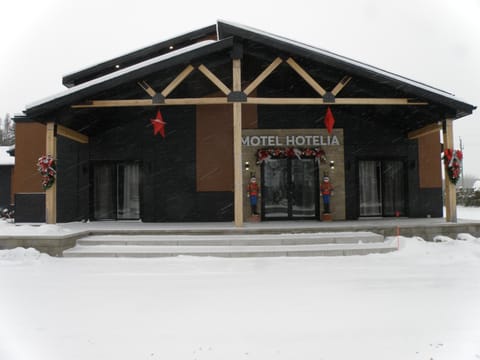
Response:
column 138, row 56
column 353, row 67
column 105, row 82
column 147, row 61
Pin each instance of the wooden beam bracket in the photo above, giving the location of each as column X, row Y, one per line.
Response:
column 328, row 97
column 158, row 99
column 237, row 96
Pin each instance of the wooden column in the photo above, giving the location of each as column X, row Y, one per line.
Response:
column 51, row 193
column 450, row 191
column 237, row 145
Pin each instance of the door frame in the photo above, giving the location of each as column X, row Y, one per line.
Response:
column 290, row 216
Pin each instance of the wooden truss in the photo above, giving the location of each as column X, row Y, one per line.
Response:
column 325, row 97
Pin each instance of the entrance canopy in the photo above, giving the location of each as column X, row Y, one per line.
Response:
column 171, row 71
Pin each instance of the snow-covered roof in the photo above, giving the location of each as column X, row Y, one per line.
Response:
column 227, row 31
column 5, row 158
column 122, row 72
column 136, row 56
column 342, row 59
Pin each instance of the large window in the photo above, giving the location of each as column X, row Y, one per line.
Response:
column 116, row 194
column 382, row 188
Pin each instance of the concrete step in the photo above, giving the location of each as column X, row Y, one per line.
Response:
column 228, row 251
column 258, row 245
column 227, row 240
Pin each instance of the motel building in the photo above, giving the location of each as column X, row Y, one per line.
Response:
column 173, row 133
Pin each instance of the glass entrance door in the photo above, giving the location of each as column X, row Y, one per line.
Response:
column 116, row 194
column 304, row 185
column 382, row 188
column 289, row 189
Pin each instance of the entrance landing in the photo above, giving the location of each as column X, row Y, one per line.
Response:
column 55, row 239
column 231, row 245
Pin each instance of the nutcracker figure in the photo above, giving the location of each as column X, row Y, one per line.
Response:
column 326, row 189
column 253, row 193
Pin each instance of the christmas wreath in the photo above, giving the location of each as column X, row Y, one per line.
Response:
column 453, row 163
column 46, row 167
column 289, row 153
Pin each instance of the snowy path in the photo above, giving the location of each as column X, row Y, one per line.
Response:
column 422, row 302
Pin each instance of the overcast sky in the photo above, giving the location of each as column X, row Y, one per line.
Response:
column 436, row 42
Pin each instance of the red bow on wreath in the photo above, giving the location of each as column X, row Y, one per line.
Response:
column 453, row 163
column 46, row 167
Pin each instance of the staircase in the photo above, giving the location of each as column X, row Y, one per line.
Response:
column 230, row 245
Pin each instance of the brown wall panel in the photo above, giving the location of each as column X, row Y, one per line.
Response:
column 249, row 117
column 29, row 146
column 214, row 136
column 429, row 164
column 214, row 148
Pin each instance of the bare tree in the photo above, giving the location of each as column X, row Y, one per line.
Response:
column 7, row 131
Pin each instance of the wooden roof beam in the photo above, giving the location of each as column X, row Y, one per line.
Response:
column 338, row 101
column 265, row 73
column 341, row 85
column 306, row 76
column 150, row 102
column 415, row 134
column 177, row 81
column 250, row 100
column 214, row 79
column 72, row 134
column 147, row 88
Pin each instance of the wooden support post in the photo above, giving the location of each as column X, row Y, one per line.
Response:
column 237, row 145
column 450, row 191
column 51, row 193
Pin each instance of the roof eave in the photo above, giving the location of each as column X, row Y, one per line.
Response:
column 97, row 85
column 353, row 67
column 73, row 79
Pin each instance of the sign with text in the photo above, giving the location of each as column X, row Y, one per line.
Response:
column 290, row 140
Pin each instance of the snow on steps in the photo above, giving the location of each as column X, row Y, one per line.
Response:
column 230, row 245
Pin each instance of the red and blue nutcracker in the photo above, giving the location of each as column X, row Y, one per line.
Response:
column 326, row 189
column 253, row 193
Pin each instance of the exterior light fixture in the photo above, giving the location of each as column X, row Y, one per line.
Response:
column 332, row 164
column 247, row 166
column 171, row 47
column 117, row 66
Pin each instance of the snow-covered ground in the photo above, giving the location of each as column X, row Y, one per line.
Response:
column 422, row 302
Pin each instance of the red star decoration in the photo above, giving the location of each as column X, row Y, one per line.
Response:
column 329, row 120
column 158, row 124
